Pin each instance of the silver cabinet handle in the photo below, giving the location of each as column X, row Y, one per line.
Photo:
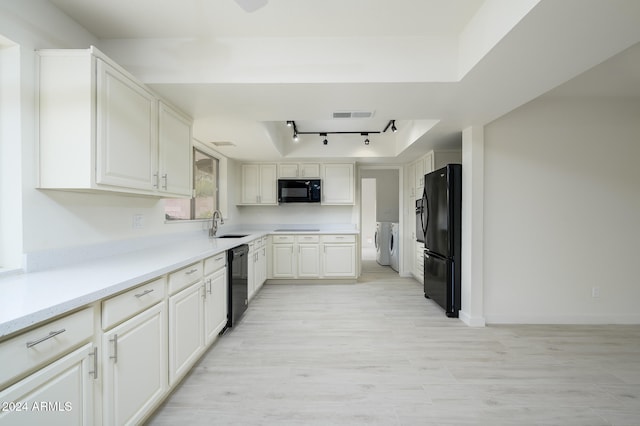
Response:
column 115, row 349
column 192, row 271
column 157, row 178
column 210, row 284
column 47, row 337
column 219, row 258
column 164, row 176
column 144, row 292
column 94, row 354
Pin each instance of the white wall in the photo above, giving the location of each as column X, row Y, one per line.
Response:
column 562, row 209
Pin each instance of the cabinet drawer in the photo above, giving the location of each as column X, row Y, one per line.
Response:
column 126, row 305
column 44, row 344
column 185, row 276
column 338, row 238
column 308, row 238
column 277, row 239
column 214, row 263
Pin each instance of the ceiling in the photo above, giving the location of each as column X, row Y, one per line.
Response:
column 434, row 66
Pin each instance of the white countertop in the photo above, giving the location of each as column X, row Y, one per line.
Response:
column 30, row 298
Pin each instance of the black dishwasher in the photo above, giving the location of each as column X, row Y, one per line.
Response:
column 238, row 292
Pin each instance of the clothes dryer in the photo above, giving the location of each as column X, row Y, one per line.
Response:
column 381, row 239
column 394, row 247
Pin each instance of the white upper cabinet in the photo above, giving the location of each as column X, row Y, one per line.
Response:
column 127, row 120
column 298, row 170
column 338, row 184
column 101, row 129
column 259, row 184
column 174, row 149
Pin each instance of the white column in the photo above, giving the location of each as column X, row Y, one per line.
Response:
column 472, row 312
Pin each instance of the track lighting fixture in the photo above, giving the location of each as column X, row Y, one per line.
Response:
column 392, row 124
column 325, row 141
column 366, row 141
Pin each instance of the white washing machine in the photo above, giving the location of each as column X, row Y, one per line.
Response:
column 394, row 247
column 381, row 238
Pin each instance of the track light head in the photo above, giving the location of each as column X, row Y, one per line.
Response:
column 393, row 126
column 289, row 123
column 295, row 137
column 366, row 141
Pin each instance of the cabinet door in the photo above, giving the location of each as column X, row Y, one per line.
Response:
column 339, row 260
column 308, row 260
column 338, row 184
column 287, row 170
column 268, row 184
column 175, row 152
column 283, row 261
column 59, row 394
column 250, row 183
column 127, row 142
column 215, row 310
column 262, row 267
column 135, row 366
column 251, row 273
column 186, row 335
column 310, row 170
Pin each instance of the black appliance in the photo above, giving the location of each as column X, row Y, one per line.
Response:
column 442, row 201
column 298, row 191
column 419, row 221
column 238, row 290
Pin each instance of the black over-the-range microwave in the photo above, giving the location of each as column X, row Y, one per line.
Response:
column 298, row 190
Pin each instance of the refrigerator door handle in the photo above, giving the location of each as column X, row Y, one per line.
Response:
column 425, row 212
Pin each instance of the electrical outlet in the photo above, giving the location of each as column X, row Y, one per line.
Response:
column 138, row 221
column 595, row 291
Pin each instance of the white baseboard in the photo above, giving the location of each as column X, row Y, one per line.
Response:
column 471, row 321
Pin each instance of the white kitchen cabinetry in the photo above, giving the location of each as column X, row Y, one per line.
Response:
column 308, row 248
column 338, row 256
column 134, row 353
column 186, row 320
column 65, row 387
column 429, row 162
column 174, row 148
column 338, row 184
column 283, row 256
column 257, row 270
column 66, row 370
column 215, row 296
column 419, row 262
column 259, row 183
column 305, row 256
column 98, row 129
column 298, row 170
column 135, row 366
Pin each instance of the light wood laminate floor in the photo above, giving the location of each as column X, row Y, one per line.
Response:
column 376, row 352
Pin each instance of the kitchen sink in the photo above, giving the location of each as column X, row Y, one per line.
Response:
column 233, row 236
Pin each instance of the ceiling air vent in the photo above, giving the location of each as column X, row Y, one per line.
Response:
column 352, row 114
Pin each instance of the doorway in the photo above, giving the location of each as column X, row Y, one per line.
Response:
column 379, row 202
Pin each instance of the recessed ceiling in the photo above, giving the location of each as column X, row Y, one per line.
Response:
column 436, row 66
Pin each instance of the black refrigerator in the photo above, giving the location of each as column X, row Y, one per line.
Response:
column 442, row 201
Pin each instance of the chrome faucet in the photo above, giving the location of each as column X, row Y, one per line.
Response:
column 214, row 223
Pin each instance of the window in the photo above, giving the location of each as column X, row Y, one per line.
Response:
column 205, row 183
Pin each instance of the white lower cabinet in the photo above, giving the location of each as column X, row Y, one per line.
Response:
column 186, row 335
column 215, row 297
column 313, row 256
column 135, row 367
column 58, row 394
column 338, row 256
column 308, row 260
column 257, row 265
